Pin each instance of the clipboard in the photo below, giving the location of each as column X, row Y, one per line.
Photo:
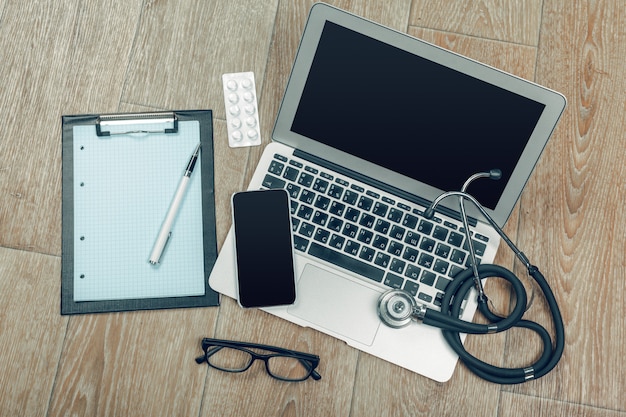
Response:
column 120, row 172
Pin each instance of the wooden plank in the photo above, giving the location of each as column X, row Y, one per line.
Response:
column 184, row 47
column 31, row 330
column 513, row 21
column 572, row 225
column 54, row 62
column 518, row 405
column 139, row 363
column 516, row 59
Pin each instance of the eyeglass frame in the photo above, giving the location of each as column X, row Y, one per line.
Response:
column 309, row 361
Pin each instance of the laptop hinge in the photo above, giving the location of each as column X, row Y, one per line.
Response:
column 380, row 185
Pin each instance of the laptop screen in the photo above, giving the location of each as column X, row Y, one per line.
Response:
column 412, row 115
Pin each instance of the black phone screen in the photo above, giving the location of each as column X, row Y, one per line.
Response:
column 264, row 251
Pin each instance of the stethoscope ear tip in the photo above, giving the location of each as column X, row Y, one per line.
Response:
column 495, row 174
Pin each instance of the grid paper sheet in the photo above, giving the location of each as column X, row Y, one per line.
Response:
column 123, row 186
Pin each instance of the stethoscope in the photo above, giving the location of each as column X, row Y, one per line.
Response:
column 398, row 308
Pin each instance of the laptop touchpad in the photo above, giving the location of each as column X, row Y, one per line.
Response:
column 337, row 304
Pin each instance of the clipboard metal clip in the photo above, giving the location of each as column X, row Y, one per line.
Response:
column 132, row 123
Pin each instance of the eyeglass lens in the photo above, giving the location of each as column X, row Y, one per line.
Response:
column 235, row 360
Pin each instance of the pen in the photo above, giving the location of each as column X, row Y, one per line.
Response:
column 166, row 228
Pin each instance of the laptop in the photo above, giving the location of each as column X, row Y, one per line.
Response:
column 373, row 126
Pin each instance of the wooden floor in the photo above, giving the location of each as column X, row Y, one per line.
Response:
column 80, row 56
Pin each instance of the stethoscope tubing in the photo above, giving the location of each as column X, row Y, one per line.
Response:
column 452, row 327
column 459, row 289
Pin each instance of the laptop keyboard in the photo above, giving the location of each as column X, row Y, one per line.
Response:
column 369, row 232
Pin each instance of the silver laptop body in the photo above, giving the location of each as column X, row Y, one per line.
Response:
column 381, row 123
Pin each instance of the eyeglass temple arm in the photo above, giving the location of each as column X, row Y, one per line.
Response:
column 316, row 376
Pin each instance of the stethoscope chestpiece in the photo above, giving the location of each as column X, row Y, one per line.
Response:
column 397, row 308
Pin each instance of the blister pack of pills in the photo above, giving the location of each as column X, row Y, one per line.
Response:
column 242, row 111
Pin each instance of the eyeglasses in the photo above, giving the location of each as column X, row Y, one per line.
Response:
column 282, row 364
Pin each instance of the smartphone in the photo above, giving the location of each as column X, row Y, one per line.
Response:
column 264, row 248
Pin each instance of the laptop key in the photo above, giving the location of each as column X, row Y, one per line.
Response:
column 347, row 262
column 321, row 235
column 352, row 214
column 479, row 247
column 395, row 215
column 335, row 224
column 428, row 278
column 352, row 248
column 293, row 190
column 367, row 220
column 382, row 259
column 337, row 208
column 425, row 227
column 411, row 287
column 409, row 221
column 397, row 266
column 367, row 253
column 307, row 197
column 458, row 256
column 427, row 244
column 425, row 297
column 337, row 241
column 276, row 168
column 382, row 226
column 320, row 218
column 455, row 239
column 365, row 203
column 350, row 197
column 413, row 272
column 365, row 236
column 322, row 202
column 300, row 243
column 393, row 281
column 306, row 179
column 320, row 185
column 291, row 173
column 412, row 238
column 335, row 191
column 305, row 212
column 272, row 182
column 440, row 233
column 306, row 229
column 380, row 209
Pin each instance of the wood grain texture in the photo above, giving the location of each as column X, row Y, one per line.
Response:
column 183, row 48
column 139, row 363
column 574, row 206
column 522, row 405
column 71, row 56
column 31, row 331
column 54, row 62
column 510, row 21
